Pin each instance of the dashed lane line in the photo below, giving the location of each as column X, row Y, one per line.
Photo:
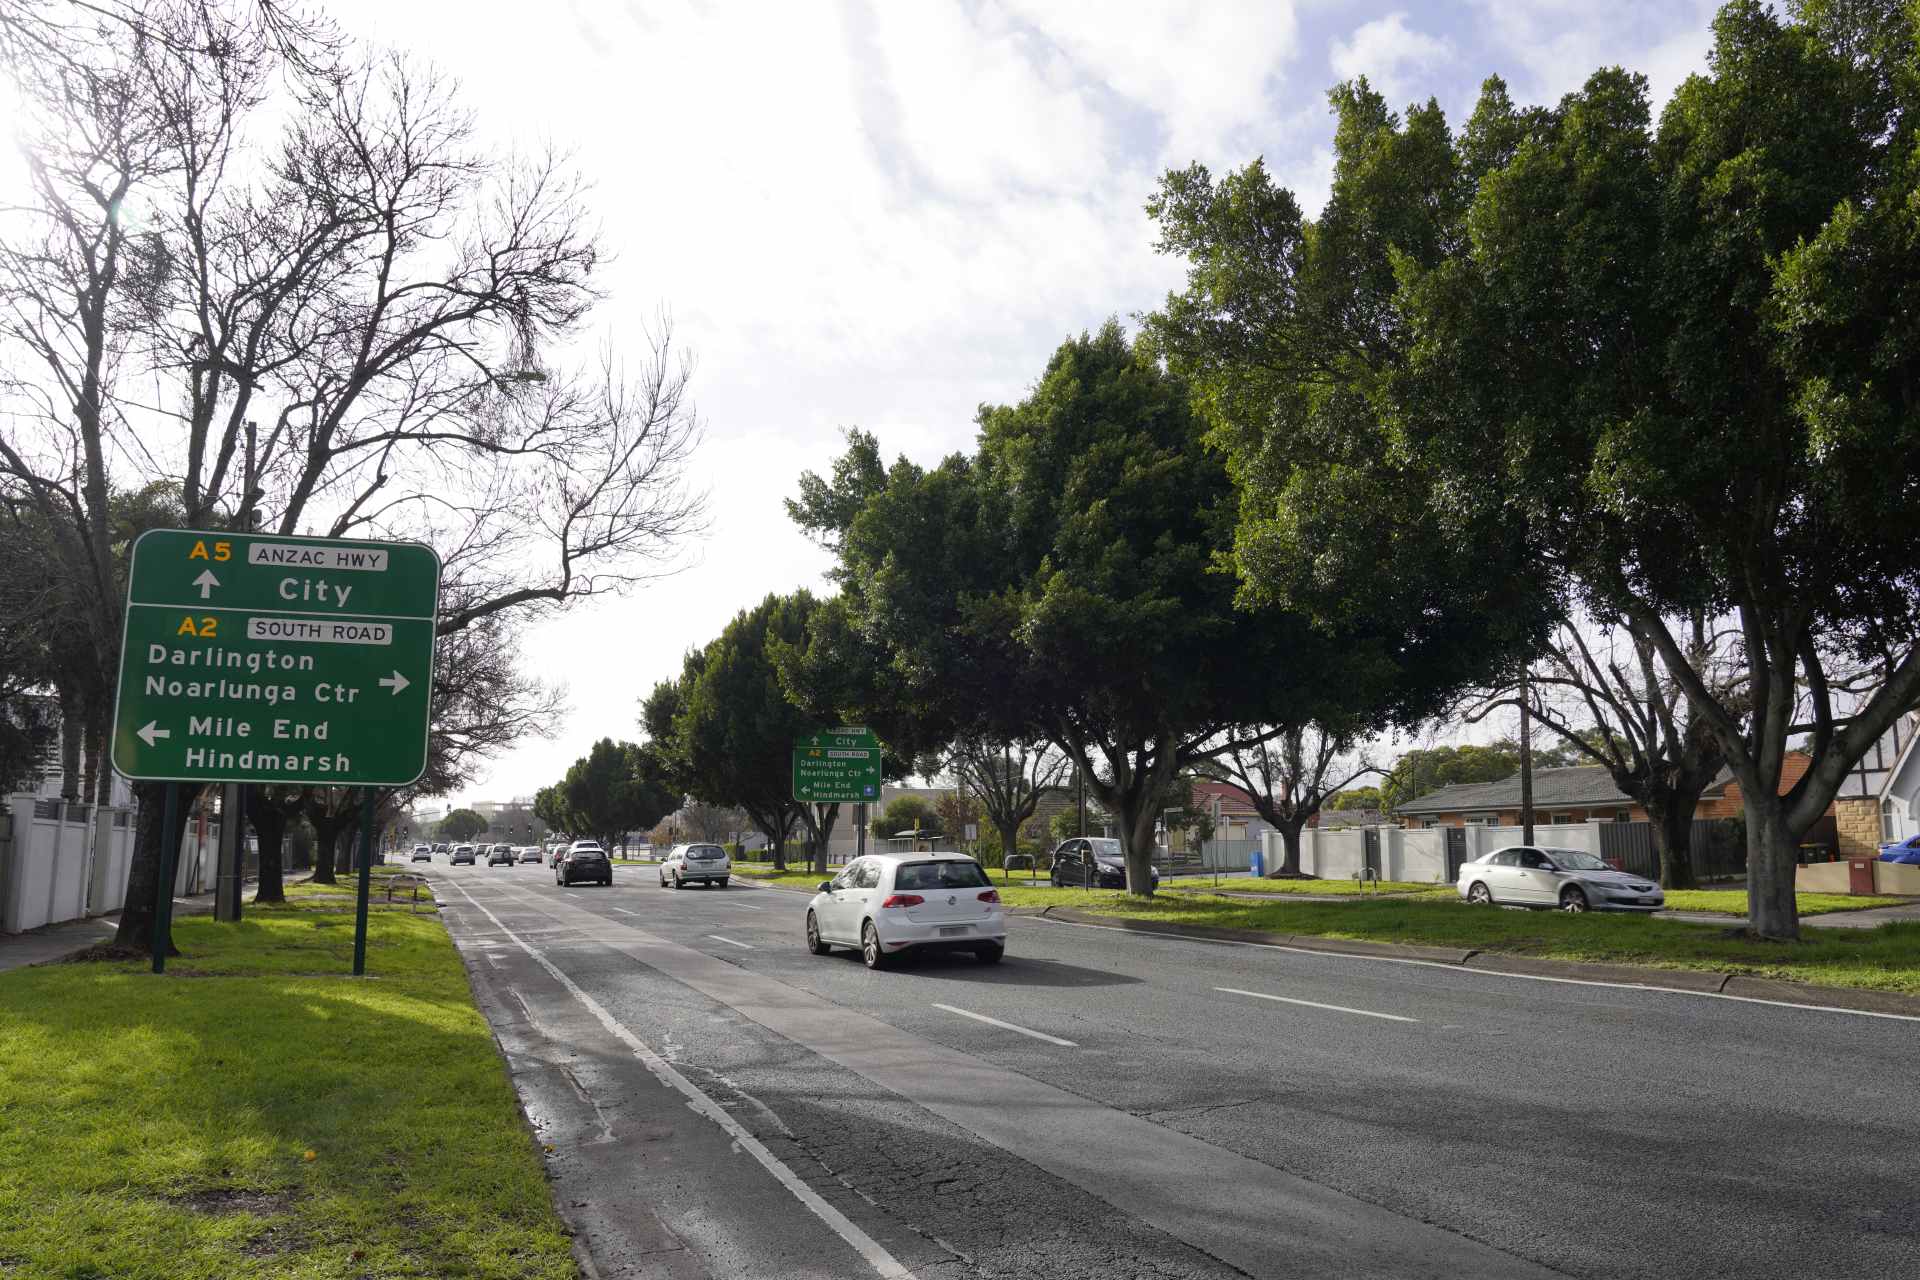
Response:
column 1010, row 1026
column 1315, row 1004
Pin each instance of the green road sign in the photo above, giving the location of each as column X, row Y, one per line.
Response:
column 837, row 766
column 261, row 658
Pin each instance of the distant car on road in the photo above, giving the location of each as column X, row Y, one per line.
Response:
column 1906, row 852
column 443, row 847
column 886, row 904
column 583, row 860
column 1092, row 862
column 687, row 864
column 1567, row 879
column 500, row 855
column 462, row 853
column 423, row 853
column 530, row 854
column 554, row 851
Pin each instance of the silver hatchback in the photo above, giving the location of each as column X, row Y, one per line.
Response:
column 1564, row 879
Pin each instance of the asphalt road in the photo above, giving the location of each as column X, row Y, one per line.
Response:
column 1105, row 1104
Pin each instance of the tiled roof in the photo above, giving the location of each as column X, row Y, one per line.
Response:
column 1581, row 785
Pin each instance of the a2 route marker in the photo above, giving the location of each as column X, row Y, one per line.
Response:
column 251, row 658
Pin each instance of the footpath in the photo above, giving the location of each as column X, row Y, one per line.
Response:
column 58, row 941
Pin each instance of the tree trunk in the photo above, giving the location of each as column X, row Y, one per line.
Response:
column 1673, row 841
column 71, row 736
column 1290, row 842
column 821, row 833
column 325, row 849
column 1136, row 831
column 98, row 788
column 270, row 826
column 1009, row 840
column 1771, row 863
column 143, row 874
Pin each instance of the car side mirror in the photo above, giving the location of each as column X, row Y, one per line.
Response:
column 826, row 886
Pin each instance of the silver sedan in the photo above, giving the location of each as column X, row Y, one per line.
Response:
column 1566, row 879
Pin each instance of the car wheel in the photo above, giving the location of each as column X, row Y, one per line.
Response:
column 1480, row 896
column 678, row 883
column 814, row 944
column 991, row 953
column 870, row 951
column 1573, row 900
column 663, row 882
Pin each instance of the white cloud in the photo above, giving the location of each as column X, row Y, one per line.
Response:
column 1395, row 58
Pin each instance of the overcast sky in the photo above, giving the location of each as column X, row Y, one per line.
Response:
column 884, row 214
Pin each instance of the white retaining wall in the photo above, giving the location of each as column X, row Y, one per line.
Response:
column 1416, row 856
column 58, row 864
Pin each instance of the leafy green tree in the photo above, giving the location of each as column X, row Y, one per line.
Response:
column 1058, row 585
column 904, row 813
column 615, row 788
column 724, row 731
column 1356, row 798
column 462, row 824
column 1636, row 371
column 1427, row 769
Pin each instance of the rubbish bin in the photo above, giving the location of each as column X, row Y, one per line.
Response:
column 1257, row 862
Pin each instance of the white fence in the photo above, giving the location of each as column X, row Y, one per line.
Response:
column 61, row 861
column 1417, row 856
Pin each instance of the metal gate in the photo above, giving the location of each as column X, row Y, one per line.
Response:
column 1370, row 851
column 1456, row 851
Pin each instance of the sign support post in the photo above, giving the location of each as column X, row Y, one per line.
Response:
column 163, row 903
column 366, row 883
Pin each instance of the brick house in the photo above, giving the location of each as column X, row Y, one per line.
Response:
column 1880, row 800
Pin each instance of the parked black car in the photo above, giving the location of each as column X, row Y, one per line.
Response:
column 1092, row 862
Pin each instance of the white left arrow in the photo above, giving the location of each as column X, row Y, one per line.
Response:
column 206, row 582
column 150, row 731
column 396, row 682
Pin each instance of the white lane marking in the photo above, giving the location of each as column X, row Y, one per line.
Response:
column 1315, row 1004
column 1491, row 973
column 883, row 1263
column 744, row 907
column 1025, row 1031
column 623, row 911
column 744, row 946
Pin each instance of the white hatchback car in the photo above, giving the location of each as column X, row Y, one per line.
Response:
column 887, row 903
column 687, row 864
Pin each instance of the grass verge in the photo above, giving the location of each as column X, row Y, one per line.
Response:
column 1883, row 959
column 259, row 1112
column 1733, row 902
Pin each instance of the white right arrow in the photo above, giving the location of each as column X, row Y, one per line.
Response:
column 150, row 731
column 206, row 582
column 396, row 682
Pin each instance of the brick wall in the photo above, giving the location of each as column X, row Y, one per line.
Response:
column 1858, row 822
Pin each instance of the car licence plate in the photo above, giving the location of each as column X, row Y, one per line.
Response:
column 953, row 930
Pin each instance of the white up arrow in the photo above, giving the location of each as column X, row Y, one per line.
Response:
column 206, row 582
column 396, row 682
column 150, row 731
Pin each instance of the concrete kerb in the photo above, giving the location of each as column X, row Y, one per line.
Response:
column 1765, row 990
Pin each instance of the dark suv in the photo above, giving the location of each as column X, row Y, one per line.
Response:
column 583, row 860
column 1089, row 862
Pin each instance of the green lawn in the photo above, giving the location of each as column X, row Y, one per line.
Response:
column 259, row 1112
column 1734, row 901
column 1886, row 958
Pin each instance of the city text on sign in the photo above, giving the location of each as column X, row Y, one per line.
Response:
column 269, row 658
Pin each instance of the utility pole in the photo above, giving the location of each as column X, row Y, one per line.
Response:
column 1526, row 760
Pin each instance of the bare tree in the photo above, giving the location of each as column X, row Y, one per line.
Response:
column 1609, row 696
column 1289, row 772
column 1008, row 779
column 349, row 334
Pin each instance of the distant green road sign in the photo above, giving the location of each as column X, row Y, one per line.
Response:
column 837, row 766
column 260, row 658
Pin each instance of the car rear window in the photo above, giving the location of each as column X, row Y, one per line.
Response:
column 706, row 851
column 940, row 875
